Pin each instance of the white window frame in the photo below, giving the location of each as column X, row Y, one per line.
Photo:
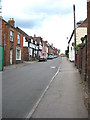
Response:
column 17, row 48
column 18, row 38
column 11, row 35
column 25, row 44
column 31, row 40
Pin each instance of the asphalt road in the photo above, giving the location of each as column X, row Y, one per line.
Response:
column 22, row 87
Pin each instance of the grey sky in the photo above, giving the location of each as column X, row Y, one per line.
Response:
column 50, row 19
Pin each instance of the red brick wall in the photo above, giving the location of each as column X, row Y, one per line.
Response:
column 25, row 51
column 88, row 42
column 88, row 55
column 81, row 61
column 84, row 62
column 7, row 44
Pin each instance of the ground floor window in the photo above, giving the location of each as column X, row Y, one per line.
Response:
column 18, row 53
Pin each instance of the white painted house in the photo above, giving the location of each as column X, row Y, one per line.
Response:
column 81, row 31
column 71, row 48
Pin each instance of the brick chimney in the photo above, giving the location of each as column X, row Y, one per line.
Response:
column 34, row 35
column 11, row 21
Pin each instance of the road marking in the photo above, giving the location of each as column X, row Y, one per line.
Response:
column 53, row 67
column 37, row 103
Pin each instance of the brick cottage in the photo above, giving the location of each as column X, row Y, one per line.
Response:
column 12, row 42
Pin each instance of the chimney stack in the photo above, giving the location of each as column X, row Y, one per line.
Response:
column 34, row 35
column 11, row 21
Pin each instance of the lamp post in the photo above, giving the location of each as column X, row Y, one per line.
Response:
column 74, row 31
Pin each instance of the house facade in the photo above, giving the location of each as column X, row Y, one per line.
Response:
column 50, row 50
column 81, row 31
column 71, row 47
column 34, row 46
column 46, row 47
column 12, row 42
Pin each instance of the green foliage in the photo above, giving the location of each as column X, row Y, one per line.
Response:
column 67, row 53
column 76, row 47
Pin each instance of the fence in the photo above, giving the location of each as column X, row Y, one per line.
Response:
column 81, row 59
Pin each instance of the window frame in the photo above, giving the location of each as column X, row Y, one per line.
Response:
column 18, row 49
column 11, row 35
column 18, row 38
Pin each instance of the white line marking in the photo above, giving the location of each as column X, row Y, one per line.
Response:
column 37, row 103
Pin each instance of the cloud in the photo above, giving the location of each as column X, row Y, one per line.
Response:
column 50, row 19
column 31, row 23
column 48, row 8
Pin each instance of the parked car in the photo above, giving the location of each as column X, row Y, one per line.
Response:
column 42, row 58
column 50, row 57
column 55, row 56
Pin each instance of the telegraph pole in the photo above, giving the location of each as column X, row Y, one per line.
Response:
column 74, row 31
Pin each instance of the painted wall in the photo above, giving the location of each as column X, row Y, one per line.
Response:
column 80, row 32
column 71, row 50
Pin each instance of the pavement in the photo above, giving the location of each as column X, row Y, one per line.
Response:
column 14, row 66
column 0, row 95
column 65, row 96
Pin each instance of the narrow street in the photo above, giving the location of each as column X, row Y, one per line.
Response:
column 22, row 87
column 44, row 59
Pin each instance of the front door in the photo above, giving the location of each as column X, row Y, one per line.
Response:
column 11, row 53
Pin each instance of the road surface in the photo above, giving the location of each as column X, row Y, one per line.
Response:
column 22, row 87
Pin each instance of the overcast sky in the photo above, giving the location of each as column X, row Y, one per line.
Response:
column 50, row 19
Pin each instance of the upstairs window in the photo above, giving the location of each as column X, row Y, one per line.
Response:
column 11, row 35
column 31, row 40
column 35, row 42
column 18, row 39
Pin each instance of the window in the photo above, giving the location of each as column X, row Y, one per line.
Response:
column 18, row 39
column 18, row 54
column 31, row 40
column 35, row 42
column 71, row 48
column 11, row 35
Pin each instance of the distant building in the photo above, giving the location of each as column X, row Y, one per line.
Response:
column 34, row 46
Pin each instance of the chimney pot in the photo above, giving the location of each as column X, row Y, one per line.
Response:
column 11, row 21
column 34, row 35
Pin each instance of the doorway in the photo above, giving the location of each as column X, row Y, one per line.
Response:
column 11, row 56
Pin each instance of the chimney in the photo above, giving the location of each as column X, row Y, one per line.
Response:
column 34, row 35
column 11, row 21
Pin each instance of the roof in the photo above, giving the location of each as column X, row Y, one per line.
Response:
column 16, row 28
column 22, row 31
column 71, row 37
column 45, row 43
column 8, row 24
column 83, row 24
